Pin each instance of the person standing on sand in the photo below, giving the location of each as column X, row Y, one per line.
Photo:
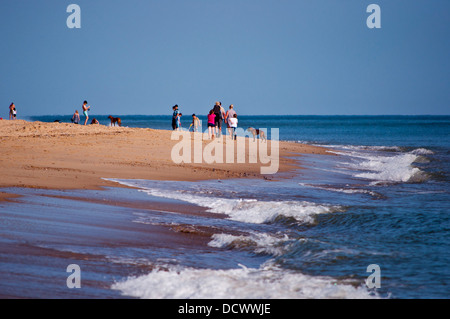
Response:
column 12, row 111
column 219, row 117
column 233, row 122
column 76, row 117
column 85, row 111
column 179, row 121
column 222, row 116
column 175, row 116
column 195, row 123
column 230, row 114
column 211, row 124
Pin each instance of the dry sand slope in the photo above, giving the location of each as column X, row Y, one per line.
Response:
column 68, row 156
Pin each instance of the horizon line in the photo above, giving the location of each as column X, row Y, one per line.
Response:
column 189, row 114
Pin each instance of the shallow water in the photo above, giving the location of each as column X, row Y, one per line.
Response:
column 330, row 221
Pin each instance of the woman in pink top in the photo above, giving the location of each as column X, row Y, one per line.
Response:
column 211, row 124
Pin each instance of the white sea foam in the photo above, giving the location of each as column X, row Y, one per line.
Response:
column 257, row 212
column 244, row 210
column 390, row 168
column 260, row 243
column 422, row 151
column 348, row 190
column 383, row 164
column 267, row 282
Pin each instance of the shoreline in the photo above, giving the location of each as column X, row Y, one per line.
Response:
column 95, row 223
column 68, row 156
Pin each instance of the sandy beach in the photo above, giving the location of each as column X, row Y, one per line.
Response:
column 67, row 156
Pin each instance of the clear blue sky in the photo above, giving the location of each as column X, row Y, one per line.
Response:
column 263, row 56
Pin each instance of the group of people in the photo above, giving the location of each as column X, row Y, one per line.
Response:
column 216, row 117
column 176, row 120
column 76, row 115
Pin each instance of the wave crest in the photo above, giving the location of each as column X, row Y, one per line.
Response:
column 267, row 282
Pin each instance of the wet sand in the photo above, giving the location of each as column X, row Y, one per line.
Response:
column 42, row 232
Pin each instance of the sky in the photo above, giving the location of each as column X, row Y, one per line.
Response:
column 266, row 57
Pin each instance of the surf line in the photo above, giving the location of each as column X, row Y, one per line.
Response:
column 223, row 149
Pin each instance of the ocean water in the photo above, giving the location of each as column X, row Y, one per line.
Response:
column 384, row 200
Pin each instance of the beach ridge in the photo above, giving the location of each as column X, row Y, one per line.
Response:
column 67, row 156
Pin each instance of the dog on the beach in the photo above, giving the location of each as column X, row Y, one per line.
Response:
column 257, row 132
column 115, row 120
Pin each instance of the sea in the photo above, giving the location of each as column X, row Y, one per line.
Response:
column 371, row 222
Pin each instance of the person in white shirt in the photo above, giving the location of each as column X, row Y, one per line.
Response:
column 233, row 122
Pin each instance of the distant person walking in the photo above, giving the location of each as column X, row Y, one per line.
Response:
column 218, row 111
column 230, row 115
column 12, row 112
column 76, row 117
column 175, row 116
column 233, row 122
column 85, row 111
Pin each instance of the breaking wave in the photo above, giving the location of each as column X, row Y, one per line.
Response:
column 266, row 282
column 243, row 210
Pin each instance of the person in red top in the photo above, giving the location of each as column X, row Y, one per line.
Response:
column 211, row 124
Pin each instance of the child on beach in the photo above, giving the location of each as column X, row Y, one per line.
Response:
column 233, row 122
column 178, row 124
column 195, row 123
column 76, row 117
column 85, row 111
column 211, row 124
